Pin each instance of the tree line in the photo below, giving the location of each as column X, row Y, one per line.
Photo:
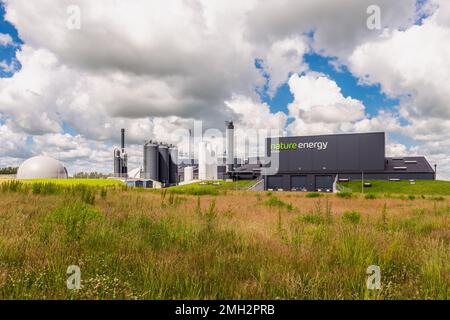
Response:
column 8, row 170
column 91, row 175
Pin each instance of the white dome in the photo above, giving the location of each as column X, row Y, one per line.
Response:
column 41, row 167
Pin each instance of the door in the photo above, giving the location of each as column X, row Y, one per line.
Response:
column 274, row 182
column 298, row 183
column 324, row 183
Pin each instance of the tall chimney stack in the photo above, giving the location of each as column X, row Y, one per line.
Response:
column 230, row 145
column 122, row 139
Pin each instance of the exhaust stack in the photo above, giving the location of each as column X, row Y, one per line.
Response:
column 230, row 145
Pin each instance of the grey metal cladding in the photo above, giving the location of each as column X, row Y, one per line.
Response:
column 371, row 151
column 344, row 152
column 348, row 154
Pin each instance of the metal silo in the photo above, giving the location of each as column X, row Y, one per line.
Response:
column 117, row 163
column 151, row 157
column 173, row 165
column 164, row 160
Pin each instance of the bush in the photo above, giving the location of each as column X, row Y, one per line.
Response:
column 196, row 191
column 351, row 216
column 45, row 188
column 411, row 197
column 345, row 194
column 275, row 202
column 370, row 196
column 313, row 195
column 312, row 218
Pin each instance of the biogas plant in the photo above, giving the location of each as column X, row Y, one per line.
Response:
column 302, row 163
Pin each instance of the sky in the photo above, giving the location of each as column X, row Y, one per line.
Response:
column 72, row 73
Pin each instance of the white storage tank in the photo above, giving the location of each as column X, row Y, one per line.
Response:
column 188, row 174
column 207, row 162
column 41, row 167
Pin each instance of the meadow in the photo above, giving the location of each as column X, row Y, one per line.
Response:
column 230, row 244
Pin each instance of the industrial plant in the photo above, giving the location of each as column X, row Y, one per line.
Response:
column 304, row 163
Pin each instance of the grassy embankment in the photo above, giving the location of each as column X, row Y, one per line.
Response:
column 420, row 187
column 237, row 244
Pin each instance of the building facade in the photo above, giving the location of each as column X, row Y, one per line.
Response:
column 314, row 163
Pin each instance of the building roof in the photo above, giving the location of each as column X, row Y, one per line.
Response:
column 408, row 164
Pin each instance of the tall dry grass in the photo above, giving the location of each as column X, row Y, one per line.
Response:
column 238, row 245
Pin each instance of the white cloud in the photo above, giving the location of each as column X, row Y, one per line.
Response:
column 338, row 26
column 285, row 57
column 320, row 107
column 9, row 67
column 413, row 65
column 13, row 144
column 6, row 40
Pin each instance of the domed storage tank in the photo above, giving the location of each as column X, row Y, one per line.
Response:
column 41, row 167
column 173, row 165
column 151, row 161
column 163, row 164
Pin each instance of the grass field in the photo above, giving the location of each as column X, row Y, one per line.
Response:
column 233, row 245
column 420, row 187
column 211, row 187
column 68, row 182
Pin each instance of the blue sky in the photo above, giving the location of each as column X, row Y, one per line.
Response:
column 8, row 53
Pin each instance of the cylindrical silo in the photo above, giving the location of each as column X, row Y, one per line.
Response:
column 173, row 165
column 163, row 151
column 151, row 161
column 124, row 162
column 117, row 163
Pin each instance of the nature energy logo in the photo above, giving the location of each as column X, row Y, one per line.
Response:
column 295, row 146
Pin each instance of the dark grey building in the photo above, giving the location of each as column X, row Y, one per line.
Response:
column 312, row 163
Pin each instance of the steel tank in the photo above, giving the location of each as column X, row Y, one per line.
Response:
column 173, row 165
column 117, row 163
column 151, row 161
column 164, row 163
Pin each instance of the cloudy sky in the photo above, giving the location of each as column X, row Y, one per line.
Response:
column 152, row 67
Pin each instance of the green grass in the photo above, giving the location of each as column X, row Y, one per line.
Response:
column 313, row 195
column 71, row 182
column 421, row 187
column 215, row 187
